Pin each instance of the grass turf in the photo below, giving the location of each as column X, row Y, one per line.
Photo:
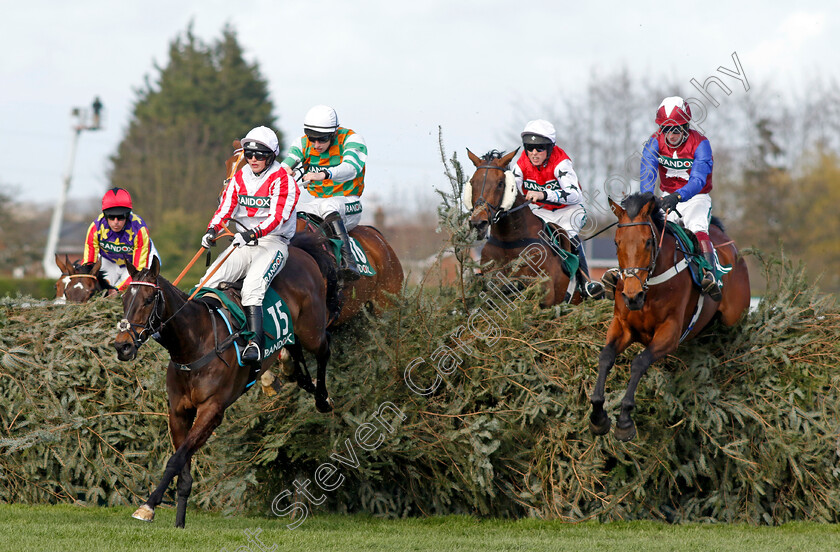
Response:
column 71, row 528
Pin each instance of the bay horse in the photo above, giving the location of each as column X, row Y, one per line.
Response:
column 516, row 233
column 79, row 282
column 204, row 377
column 367, row 290
column 656, row 303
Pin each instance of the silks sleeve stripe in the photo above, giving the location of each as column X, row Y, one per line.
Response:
column 228, row 203
column 91, row 251
column 141, row 248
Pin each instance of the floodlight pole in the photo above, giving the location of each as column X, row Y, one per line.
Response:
column 82, row 115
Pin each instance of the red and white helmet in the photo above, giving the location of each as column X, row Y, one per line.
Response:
column 673, row 111
column 116, row 201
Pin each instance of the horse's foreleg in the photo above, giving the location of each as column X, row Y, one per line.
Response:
column 617, row 341
column 185, row 482
column 300, row 374
column 665, row 340
column 207, row 419
column 323, row 402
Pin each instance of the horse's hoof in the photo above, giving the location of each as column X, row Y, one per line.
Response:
column 600, row 428
column 144, row 513
column 625, row 434
column 325, row 405
column 270, row 384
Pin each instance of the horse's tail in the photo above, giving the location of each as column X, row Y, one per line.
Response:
column 315, row 245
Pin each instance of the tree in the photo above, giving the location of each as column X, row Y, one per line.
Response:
column 171, row 159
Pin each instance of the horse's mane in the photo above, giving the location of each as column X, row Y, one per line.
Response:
column 633, row 205
column 493, row 154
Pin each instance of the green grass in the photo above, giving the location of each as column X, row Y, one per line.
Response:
column 71, row 528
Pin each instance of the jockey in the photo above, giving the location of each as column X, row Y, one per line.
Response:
column 261, row 198
column 116, row 236
column 545, row 176
column 332, row 159
column 683, row 159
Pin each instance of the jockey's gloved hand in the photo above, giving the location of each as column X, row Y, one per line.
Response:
column 669, row 202
column 244, row 238
column 207, row 239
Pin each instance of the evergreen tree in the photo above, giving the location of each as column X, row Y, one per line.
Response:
column 172, row 157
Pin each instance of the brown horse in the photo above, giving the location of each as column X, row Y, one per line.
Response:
column 204, row 376
column 656, row 303
column 368, row 290
column 516, row 233
column 79, row 282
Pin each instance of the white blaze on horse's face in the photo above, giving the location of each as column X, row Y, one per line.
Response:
column 79, row 285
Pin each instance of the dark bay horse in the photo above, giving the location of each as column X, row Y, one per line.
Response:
column 368, row 290
column 656, row 303
column 516, row 233
column 79, row 282
column 195, row 337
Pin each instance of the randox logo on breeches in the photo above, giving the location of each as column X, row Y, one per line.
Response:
column 254, row 201
column 118, row 248
column 275, row 266
column 353, row 207
column 671, row 163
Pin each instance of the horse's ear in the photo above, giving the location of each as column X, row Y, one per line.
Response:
column 476, row 160
column 132, row 270
column 648, row 207
column 508, row 158
column 154, row 270
column 62, row 265
column 616, row 208
column 236, row 145
column 96, row 266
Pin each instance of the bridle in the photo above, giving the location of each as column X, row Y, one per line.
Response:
column 496, row 211
column 634, row 271
column 71, row 276
column 154, row 323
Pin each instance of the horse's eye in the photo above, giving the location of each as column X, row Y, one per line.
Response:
column 649, row 243
column 149, row 300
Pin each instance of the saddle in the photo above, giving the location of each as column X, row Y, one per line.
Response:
column 697, row 263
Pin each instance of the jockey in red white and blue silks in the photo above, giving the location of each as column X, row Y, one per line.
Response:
column 682, row 158
column 264, row 203
column 129, row 243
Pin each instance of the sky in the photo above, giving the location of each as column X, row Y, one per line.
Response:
column 394, row 71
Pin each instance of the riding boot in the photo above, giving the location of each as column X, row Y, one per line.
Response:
column 253, row 351
column 609, row 280
column 347, row 271
column 709, row 283
column 588, row 288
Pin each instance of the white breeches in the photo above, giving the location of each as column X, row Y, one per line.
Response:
column 348, row 207
column 696, row 213
column 259, row 264
column 570, row 218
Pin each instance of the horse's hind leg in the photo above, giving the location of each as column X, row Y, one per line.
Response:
column 323, row 402
column 301, row 374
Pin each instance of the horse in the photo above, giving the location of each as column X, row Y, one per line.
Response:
column 656, row 303
column 515, row 231
column 203, row 377
column 367, row 290
column 79, row 282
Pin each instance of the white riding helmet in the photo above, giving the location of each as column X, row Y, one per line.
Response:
column 538, row 131
column 261, row 139
column 320, row 120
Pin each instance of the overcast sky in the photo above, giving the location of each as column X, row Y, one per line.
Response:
column 394, row 71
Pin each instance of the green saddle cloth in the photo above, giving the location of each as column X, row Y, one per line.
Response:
column 571, row 262
column 696, row 257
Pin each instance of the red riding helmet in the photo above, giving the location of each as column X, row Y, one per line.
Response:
column 673, row 111
column 116, row 201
